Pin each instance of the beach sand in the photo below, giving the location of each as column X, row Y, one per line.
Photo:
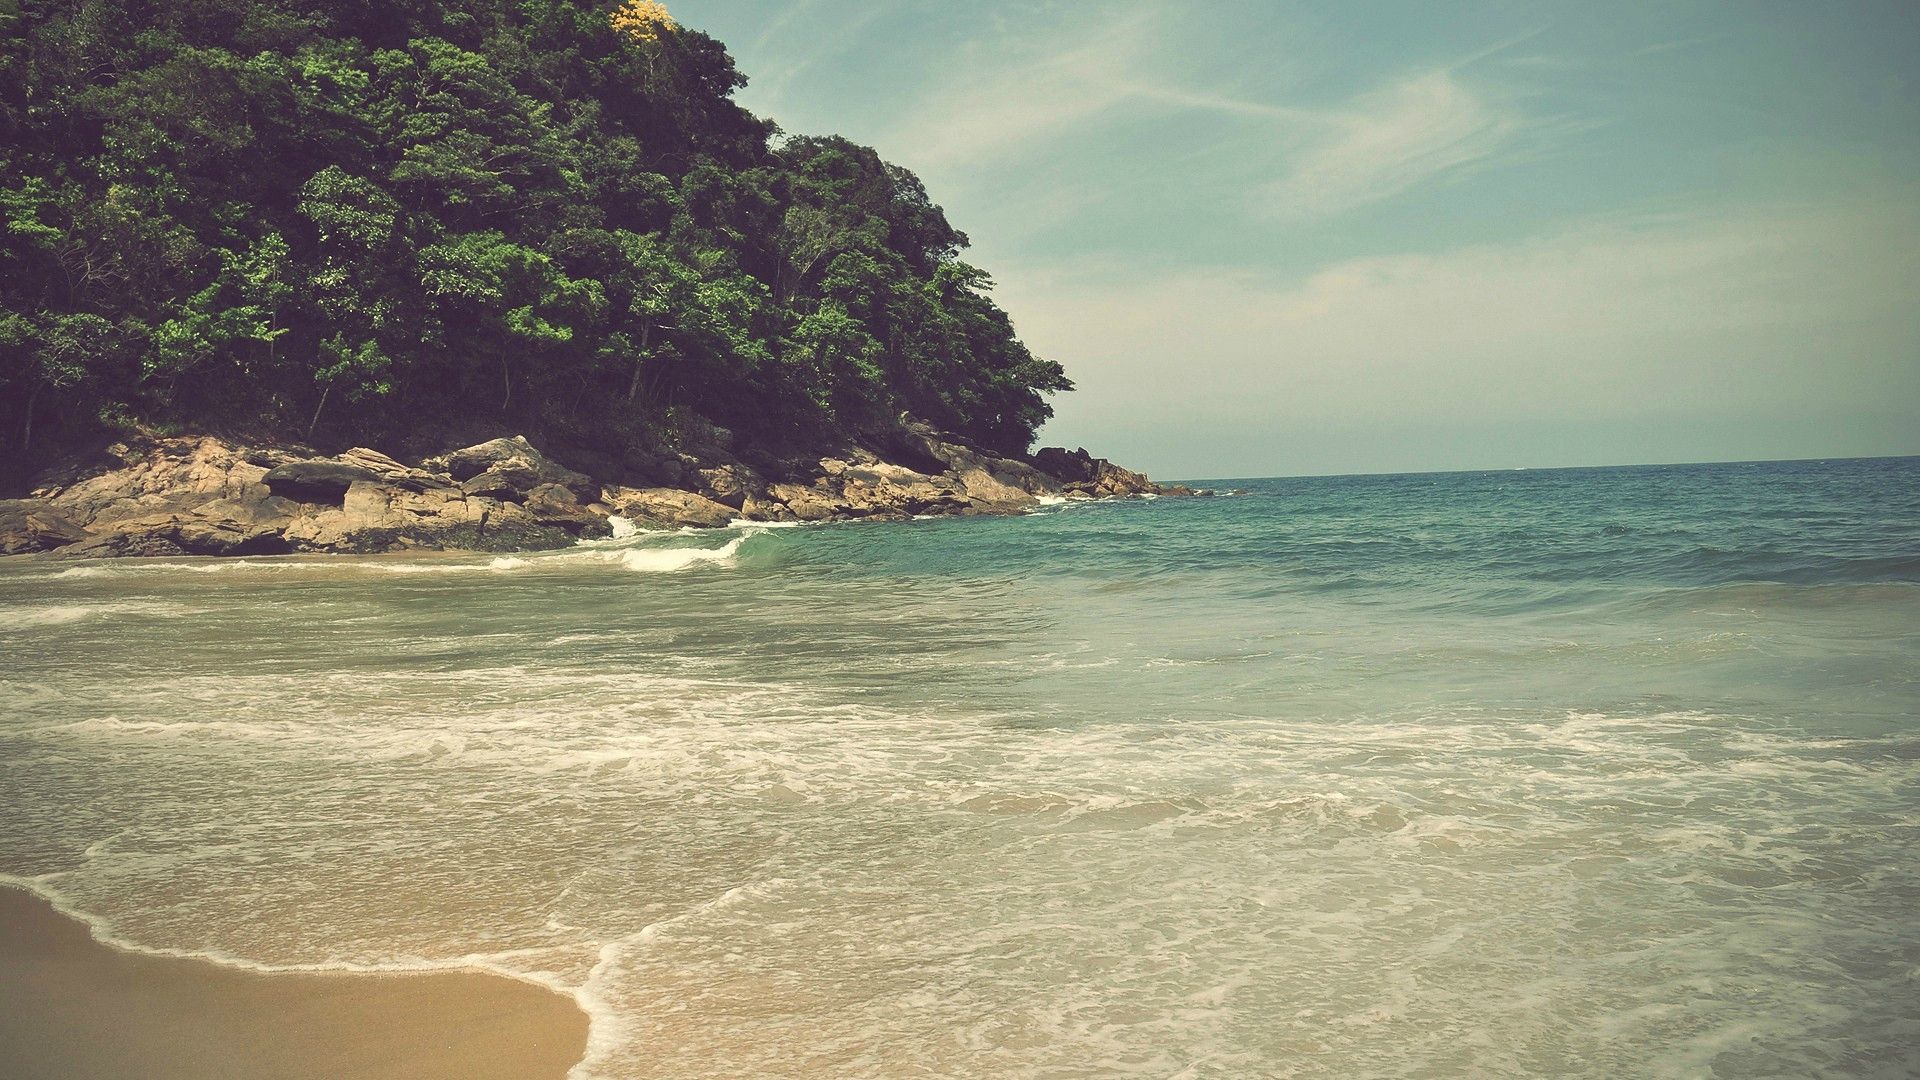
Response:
column 74, row 1009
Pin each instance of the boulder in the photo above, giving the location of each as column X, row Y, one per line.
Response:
column 552, row 504
column 441, row 506
column 315, row 481
column 765, row 508
column 151, row 476
column 470, row 461
column 730, row 485
column 388, row 471
column 871, row 490
column 1085, row 474
column 1068, row 466
column 155, row 535
column 508, row 482
column 805, row 503
column 514, row 465
column 29, row 525
column 983, row 476
column 261, row 511
column 669, row 507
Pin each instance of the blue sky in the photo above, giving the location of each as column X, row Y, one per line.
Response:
column 1272, row 238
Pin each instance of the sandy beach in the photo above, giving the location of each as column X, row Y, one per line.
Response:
column 75, row 1009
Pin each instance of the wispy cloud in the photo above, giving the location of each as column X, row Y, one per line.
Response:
column 832, row 32
column 1006, row 95
column 1392, row 139
column 1675, row 44
column 1010, row 101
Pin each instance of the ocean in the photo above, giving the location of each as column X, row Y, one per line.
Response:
column 1573, row 773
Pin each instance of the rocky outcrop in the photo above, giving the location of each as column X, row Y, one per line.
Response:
column 662, row 507
column 27, row 525
column 314, row 481
column 506, row 468
column 1082, row 473
column 206, row 496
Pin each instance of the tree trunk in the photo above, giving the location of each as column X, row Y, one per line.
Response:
column 315, row 422
column 506, row 380
column 26, row 433
column 639, row 362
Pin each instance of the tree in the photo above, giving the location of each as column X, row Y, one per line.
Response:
column 642, row 21
column 251, row 212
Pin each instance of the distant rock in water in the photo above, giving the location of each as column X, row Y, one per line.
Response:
column 209, row 496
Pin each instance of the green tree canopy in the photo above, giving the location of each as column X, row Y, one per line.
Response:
column 256, row 212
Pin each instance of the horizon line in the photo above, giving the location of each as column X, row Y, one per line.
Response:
column 1545, row 468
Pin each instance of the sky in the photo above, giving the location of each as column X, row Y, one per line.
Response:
column 1268, row 238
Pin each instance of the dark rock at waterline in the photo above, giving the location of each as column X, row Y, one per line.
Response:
column 1084, row 474
column 28, row 525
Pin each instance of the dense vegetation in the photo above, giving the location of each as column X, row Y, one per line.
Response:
column 340, row 219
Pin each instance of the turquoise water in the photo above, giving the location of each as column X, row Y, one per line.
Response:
column 1586, row 773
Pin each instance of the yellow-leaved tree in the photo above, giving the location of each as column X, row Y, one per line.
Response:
column 641, row 21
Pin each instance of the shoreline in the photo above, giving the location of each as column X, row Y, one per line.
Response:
column 152, row 496
column 83, row 1008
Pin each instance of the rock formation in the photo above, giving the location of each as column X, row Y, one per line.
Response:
column 207, row 496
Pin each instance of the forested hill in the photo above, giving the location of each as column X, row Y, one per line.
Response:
column 341, row 220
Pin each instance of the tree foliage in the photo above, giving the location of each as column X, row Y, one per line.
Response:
column 549, row 212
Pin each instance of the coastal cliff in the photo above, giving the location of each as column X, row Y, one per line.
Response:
column 204, row 495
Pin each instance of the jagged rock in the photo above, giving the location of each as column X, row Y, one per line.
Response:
column 1068, row 465
column 388, row 471
column 805, row 503
column 30, row 525
column 553, row 504
column 765, row 508
column 155, row 535
column 318, row 481
column 670, row 507
column 513, row 465
column 133, row 544
column 152, row 475
column 158, row 496
column 1086, row 474
column 251, row 511
column 507, row 483
column 985, row 478
column 870, row 490
column 470, row 461
column 438, row 506
column 730, row 485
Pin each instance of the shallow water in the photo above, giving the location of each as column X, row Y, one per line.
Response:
column 1577, row 773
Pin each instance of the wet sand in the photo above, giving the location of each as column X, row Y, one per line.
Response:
column 74, row 1009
